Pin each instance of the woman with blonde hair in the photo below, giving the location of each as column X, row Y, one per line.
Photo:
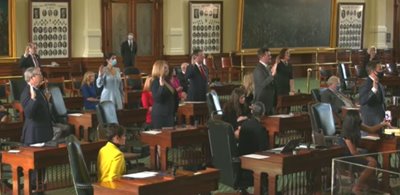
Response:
column 88, row 89
column 147, row 100
column 248, row 85
column 165, row 97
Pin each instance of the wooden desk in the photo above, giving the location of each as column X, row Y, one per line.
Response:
column 54, row 71
column 88, row 120
column 11, row 130
column 193, row 109
column 281, row 164
column 203, row 182
column 30, row 158
column 278, row 125
column 173, row 138
column 284, row 101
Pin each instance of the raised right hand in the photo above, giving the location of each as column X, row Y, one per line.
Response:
column 161, row 81
column 101, row 70
column 33, row 93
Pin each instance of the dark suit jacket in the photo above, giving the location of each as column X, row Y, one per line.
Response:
column 198, row 86
column 27, row 62
column 372, row 105
column 264, row 88
column 253, row 137
column 37, row 125
column 128, row 54
column 329, row 97
column 183, row 81
column 165, row 105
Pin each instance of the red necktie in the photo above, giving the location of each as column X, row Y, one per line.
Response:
column 202, row 71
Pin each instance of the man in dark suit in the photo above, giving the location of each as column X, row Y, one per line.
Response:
column 372, row 96
column 334, row 97
column 37, row 124
column 30, row 58
column 182, row 78
column 128, row 51
column 197, row 74
column 264, row 87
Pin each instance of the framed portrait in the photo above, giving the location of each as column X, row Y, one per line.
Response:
column 350, row 25
column 7, row 29
column 50, row 27
column 205, row 25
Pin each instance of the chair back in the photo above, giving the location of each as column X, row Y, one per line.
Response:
column 133, row 81
column 226, row 62
column 323, row 120
column 344, row 75
column 316, row 94
column 209, row 61
column 224, row 151
column 59, row 111
column 17, row 86
column 391, row 69
column 214, row 106
column 106, row 113
column 57, row 82
column 79, row 170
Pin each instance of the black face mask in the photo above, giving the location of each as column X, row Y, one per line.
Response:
column 379, row 75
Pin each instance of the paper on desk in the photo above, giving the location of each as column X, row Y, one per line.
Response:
column 13, row 151
column 37, row 145
column 256, row 156
column 282, row 115
column 75, row 114
column 194, row 102
column 144, row 174
column 152, row 132
column 370, row 137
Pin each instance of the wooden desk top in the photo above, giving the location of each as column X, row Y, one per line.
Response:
column 33, row 158
column 186, row 183
column 177, row 137
column 293, row 100
column 224, row 89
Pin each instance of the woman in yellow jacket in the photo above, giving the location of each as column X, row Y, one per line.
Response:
column 110, row 161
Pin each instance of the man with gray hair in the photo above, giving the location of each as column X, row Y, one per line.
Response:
column 37, row 118
column 253, row 136
column 334, row 97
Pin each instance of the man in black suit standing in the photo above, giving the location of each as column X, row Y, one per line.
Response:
column 372, row 96
column 30, row 58
column 128, row 51
column 264, row 87
column 197, row 74
column 182, row 78
column 37, row 123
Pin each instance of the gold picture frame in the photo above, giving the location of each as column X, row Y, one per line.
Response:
column 7, row 29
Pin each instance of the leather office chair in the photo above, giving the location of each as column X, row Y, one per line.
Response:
column 316, row 94
column 17, row 86
column 214, row 106
column 347, row 83
column 79, row 170
column 224, row 153
column 59, row 111
column 323, row 122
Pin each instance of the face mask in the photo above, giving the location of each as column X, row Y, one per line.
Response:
column 337, row 87
column 379, row 75
column 130, row 37
column 114, row 62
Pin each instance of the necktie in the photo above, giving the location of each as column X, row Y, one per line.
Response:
column 130, row 45
column 202, row 71
column 35, row 61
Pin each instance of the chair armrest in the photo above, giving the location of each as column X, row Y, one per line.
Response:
column 83, row 186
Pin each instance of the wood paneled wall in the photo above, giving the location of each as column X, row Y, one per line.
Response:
column 92, row 64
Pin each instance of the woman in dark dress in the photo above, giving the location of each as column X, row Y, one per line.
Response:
column 351, row 127
column 284, row 74
column 165, row 97
column 236, row 110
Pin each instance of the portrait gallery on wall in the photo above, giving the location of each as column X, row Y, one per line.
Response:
column 350, row 25
column 50, row 28
column 205, row 26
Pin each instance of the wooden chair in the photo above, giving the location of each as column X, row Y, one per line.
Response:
column 133, row 85
column 76, row 85
column 228, row 68
column 212, row 72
